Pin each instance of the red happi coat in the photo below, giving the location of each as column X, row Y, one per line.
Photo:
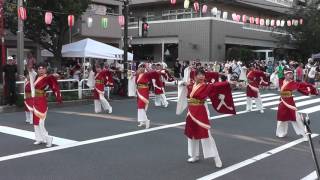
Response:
column 192, row 75
column 40, row 106
column 142, row 82
column 211, row 77
column 159, row 83
column 166, row 75
column 28, row 100
column 197, row 122
column 255, row 78
column 101, row 80
column 287, row 108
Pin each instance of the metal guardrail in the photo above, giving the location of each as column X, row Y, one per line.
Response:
column 70, row 88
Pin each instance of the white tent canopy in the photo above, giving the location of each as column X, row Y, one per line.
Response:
column 88, row 48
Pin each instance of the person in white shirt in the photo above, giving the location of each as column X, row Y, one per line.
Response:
column 312, row 74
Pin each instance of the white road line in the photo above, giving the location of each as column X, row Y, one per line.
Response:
column 272, row 103
column 239, row 95
column 236, row 94
column 310, row 110
column 107, row 138
column 312, row 176
column 30, row 135
column 253, row 159
column 303, row 103
column 245, row 98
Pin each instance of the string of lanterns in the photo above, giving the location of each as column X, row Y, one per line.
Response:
column 48, row 17
column 244, row 18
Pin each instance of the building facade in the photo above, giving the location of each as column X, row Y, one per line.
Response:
column 188, row 35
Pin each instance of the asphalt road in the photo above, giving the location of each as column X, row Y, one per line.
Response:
column 102, row 146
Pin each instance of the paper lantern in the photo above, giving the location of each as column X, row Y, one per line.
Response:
column 272, row 22
column 296, row 22
column 70, row 20
column 283, row 22
column 173, row 2
column 225, row 15
column 234, row 16
column 214, row 11
column 104, row 22
column 288, row 23
column 121, row 20
column 262, row 21
column 301, row 21
column 196, row 6
column 204, row 9
column 278, row 23
column 244, row 18
column 22, row 13
column 89, row 22
column 186, row 4
column 267, row 22
column 251, row 19
column 238, row 18
column 257, row 20
column 48, row 18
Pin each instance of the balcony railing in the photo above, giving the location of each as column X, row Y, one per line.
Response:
column 288, row 3
column 176, row 15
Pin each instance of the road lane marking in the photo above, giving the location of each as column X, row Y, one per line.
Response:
column 253, row 159
column 92, row 141
column 245, row 98
column 30, row 135
column 312, row 176
column 310, row 110
column 304, row 103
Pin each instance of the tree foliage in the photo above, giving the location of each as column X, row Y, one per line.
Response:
column 50, row 37
column 305, row 37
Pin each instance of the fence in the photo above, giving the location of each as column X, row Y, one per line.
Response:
column 68, row 85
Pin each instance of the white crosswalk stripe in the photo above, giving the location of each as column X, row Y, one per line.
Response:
column 304, row 103
column 272, row 100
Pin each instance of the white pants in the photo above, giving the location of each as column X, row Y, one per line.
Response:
column 41, row 134
column 209, row 147
column 142, row 115
column 282, row 127
column 258, row 102
column 160, row 100
column 101, row 102
column 29, row 117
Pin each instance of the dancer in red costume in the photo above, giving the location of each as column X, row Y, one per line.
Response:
column 142, row 81
column 28, row 100
column 159, row 86
column 40, row 107
column 103, row 77
column 287, row 110
column 197, row 122
column 255, row 78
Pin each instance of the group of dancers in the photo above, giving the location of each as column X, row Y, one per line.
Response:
column 194, row 89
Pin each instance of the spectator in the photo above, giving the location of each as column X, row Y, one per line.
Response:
column 299, row 73
column 185, row 65
column 9, row 75
column 177, row 69
column 270, row 68
column 312, row 74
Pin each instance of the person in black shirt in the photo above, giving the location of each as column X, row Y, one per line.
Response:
column 9, row 75
column 177, row 69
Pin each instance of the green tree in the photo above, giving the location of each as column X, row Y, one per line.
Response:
column 305, row 37
column 50, row 37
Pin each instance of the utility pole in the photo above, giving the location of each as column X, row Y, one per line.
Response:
column 3, row 55
column 20, row 42
column 125, row 43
